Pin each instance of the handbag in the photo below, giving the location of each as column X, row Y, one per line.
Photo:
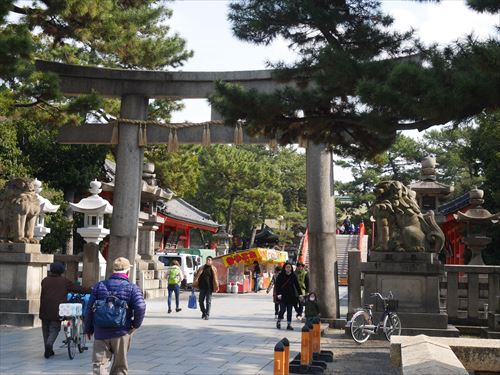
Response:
column 110, row 312
column 192, row 301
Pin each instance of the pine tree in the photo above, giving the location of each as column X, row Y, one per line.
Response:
column 356, row 82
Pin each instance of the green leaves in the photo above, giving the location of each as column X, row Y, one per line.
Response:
column 357, row 81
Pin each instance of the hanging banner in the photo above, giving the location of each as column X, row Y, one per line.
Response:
column 251, row 255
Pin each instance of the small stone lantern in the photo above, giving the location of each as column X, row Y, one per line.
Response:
column 222, row 238
column 476, row 219
column 94, row 208
column 45, row 207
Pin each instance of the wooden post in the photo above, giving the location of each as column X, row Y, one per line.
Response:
column 280, row 361
column 286, row 344
column 316, row 326
column 305, row 342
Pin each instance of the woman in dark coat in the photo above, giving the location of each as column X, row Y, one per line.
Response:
column 286, row 288
column 55, row 288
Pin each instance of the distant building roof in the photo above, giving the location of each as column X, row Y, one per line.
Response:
column 181, row 210
column 176, row 208
column 454, row 205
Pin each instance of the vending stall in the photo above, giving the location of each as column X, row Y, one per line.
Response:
column 235, row 270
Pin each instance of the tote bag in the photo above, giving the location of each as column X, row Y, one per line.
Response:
column 192, row 301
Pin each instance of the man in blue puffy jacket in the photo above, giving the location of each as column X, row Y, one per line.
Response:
column 115, row 342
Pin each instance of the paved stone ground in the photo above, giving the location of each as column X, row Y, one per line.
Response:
column 238, row 339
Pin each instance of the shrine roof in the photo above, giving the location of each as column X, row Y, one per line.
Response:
column 181, row 210
column 454, row 205
column 431, row 187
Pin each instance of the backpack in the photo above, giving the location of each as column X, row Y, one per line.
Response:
column 174, row 276
column 110, row 312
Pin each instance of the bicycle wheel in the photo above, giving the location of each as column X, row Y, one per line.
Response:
column 82, row 340
column 358, row 332
column 71, row 341
column 392, row 326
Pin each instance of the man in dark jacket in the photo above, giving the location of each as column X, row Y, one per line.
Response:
column 207, row 281
column 115, row 342
column 55, row 288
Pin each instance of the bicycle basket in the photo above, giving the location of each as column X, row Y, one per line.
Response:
column 392, row 304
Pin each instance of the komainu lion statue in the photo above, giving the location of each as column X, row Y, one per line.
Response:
column 400, row 226
column 19, row 209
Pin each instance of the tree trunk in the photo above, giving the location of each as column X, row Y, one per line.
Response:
column 321, row 229
column 229, row 216
column 252, row 237
column 69, row 196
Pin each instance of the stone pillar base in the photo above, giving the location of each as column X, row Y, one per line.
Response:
column 151, row 276
column 22, row 267
column 413, row 279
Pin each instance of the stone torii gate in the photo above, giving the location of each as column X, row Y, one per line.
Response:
column 135, row 88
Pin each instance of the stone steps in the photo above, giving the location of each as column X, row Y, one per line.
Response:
column 20, row 319
column 155, row 293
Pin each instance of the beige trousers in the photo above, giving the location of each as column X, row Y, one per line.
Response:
column 105, row 349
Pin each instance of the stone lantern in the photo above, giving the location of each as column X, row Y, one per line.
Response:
column 93, row 232
column 430, row 193
column 476, row 219
column 45, row 207
column 94, row 208
column 222, row 238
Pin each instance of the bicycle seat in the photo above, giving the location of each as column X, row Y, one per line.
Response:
column 369, row 306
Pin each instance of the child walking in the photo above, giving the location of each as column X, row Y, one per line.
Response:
column 311, row 307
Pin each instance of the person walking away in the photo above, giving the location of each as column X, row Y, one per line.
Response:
column 55, row 289
column 303, row 279
column 174, row 277
column 287, row 287
column 271, row 285
column 256, row 275
column 311, row 307
column 207, row 282
column 115, row 342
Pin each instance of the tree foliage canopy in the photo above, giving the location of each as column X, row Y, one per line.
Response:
column 357, row 81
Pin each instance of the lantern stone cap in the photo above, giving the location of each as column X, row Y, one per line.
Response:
column 46, row 206
column 93, row 204
column 477, row 214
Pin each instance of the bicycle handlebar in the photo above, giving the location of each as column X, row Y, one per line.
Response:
column 389, row 296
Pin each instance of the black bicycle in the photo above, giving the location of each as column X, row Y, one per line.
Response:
column 363, row 326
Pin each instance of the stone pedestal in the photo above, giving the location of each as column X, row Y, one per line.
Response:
column 22, row 268
column 413, row 279
column 90, row 272
column 151, row 276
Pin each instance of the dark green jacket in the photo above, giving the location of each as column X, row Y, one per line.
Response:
column 303, row 279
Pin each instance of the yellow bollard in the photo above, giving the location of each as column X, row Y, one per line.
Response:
column 316, row 336
column 305, row 346
column 280, row 361
column 286, row 344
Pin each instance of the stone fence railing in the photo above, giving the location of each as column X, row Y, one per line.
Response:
column 470, row 294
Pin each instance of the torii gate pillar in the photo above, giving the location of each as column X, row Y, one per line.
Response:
column 126, row 195
column 321, row 229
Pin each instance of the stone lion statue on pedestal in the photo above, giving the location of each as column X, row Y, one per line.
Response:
column 19, row 209
column 400, row 226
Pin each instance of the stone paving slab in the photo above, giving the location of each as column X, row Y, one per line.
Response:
column 238, row 339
